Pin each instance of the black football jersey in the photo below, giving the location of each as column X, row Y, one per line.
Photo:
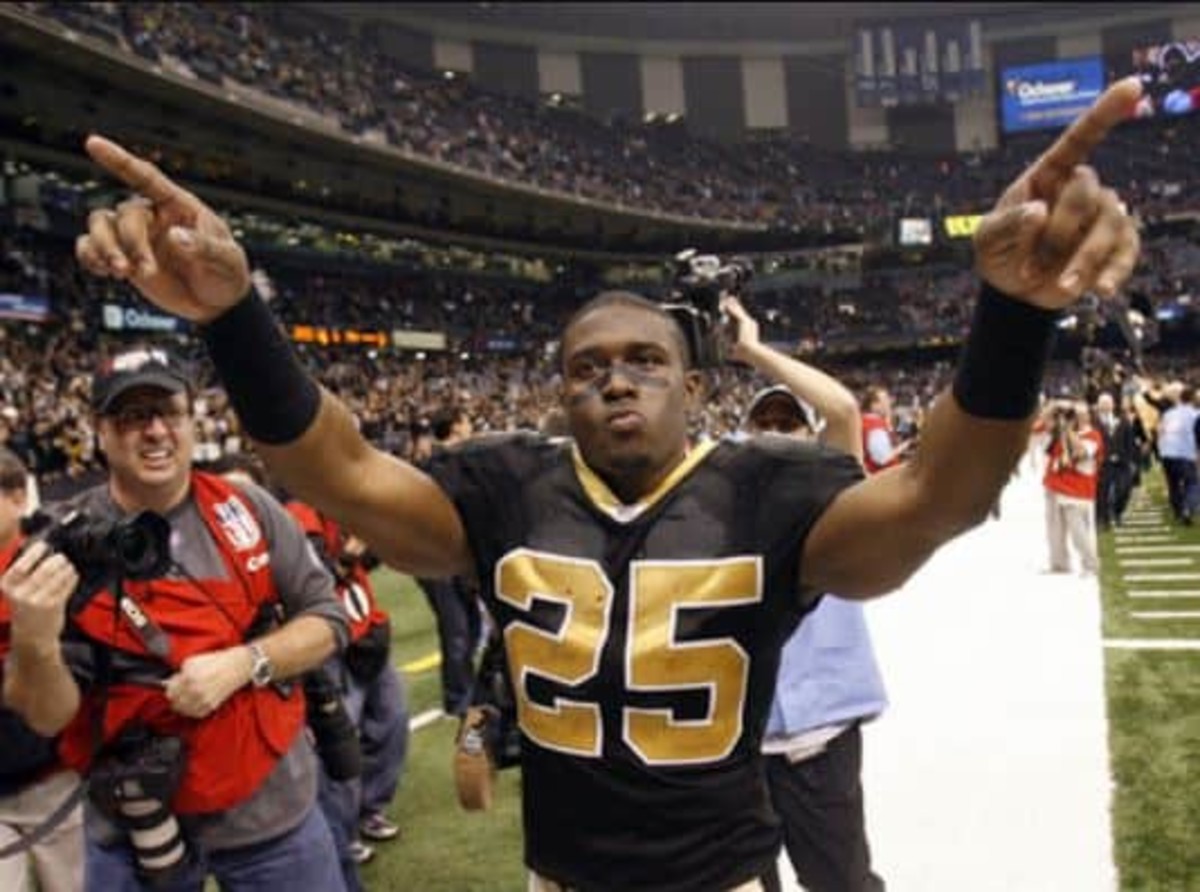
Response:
column 643, row 643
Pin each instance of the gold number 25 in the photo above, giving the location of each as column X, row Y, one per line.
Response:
column 655, row 658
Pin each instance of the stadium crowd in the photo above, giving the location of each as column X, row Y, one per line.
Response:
column 782, row 181
column 499, row 365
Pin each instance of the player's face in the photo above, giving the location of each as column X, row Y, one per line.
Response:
column 626, row 395
column 148, row 439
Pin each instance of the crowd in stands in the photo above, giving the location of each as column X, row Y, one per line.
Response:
column 500, row 365
column 781, row 181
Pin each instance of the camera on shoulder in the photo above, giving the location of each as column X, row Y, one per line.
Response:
column 695, row 300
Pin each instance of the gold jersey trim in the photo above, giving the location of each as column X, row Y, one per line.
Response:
column 602, row 497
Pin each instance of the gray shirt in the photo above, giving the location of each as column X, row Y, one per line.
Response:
column 305, row 588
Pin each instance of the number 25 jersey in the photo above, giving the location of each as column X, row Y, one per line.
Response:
column 643, row 643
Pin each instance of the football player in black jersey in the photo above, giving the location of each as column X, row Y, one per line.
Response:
column 644, row 586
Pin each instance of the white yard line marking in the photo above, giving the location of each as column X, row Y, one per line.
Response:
column 1156, row 562
column 1162, row 577
column 1156, row 549
column 1164, row 593
column 1165, row 614
column 424, row 719
column 1152, row 644
column 1143, row 540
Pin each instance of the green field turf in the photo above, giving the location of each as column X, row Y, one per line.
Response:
column 1154, row 722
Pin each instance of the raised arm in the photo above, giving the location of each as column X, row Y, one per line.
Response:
column 1054, row 234
column 182, row 257
column 831, row 399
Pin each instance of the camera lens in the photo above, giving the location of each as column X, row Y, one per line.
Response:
column 142, row 546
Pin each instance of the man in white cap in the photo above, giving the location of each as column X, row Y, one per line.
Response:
column 828, row 682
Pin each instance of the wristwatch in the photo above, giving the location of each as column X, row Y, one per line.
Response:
column 262, row 672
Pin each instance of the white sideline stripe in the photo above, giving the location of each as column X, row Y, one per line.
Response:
column 1156, row 562
column 1162, row 577
column 1164, row 593
column 424, row 719
column 1152, row 644
column 1165, row 614
column 1143, row 540
column 1151, row 527
column 1156, row 549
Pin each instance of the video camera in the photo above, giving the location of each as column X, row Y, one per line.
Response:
column 104, row 549
column 695, row 301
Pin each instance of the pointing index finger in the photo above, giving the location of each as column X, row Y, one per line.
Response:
column 1077, row 142
column 136, row 173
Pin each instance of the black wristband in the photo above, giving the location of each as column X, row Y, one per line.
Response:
column 1000, row 370
column 273, row 396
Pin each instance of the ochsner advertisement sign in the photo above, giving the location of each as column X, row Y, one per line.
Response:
column 1049, row 95
column 121, row 318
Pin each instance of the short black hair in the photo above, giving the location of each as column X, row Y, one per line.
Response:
column 443, row 421
column 606, row 299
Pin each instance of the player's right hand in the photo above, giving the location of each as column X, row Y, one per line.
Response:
column 163, row 240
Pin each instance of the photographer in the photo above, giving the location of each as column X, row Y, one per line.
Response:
column 828, row 683
column 371, row 689
column 881, row 447
column 32, row 780
column 191, row 736
column 1073, row 460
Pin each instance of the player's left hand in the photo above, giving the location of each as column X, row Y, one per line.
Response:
column 205, row 681
column 1056, row 232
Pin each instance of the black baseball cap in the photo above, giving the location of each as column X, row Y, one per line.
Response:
column 139, row 367
column 780, row 392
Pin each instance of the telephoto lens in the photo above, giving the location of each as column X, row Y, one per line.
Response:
column 132, row 786
column 336, row 737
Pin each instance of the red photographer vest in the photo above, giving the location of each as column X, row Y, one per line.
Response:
column 871, row 423
column 354, row 590
column 1075, row 481
column 231, row 752
column 8, row 554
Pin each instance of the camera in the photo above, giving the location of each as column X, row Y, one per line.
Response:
column 132, row 784
column 104, row 549
column 695, row 300
column 336, row 737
